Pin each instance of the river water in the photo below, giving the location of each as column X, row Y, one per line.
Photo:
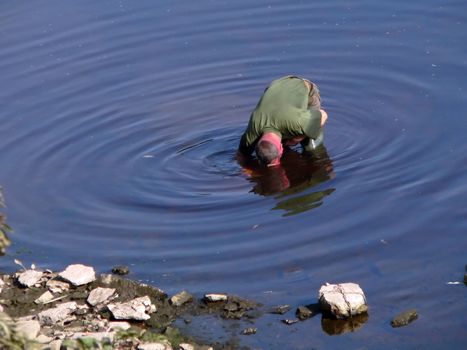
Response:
column 119, row 122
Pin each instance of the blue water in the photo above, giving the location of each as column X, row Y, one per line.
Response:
column 119, row 123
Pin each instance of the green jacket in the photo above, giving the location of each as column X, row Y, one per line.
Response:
column 283, row 110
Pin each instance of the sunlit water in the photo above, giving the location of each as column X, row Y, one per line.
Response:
column 119, row 123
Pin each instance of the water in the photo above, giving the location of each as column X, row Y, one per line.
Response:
column 118, row 128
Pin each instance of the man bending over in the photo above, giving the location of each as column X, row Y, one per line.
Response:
column 289, row 112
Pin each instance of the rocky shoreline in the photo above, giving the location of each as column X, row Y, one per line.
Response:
column 75, row 309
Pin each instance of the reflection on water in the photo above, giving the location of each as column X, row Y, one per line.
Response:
column 335, row 327
column 297, row 173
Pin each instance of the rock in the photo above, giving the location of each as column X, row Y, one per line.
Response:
column 1, row 308
column 78, row 274
column 100, row 295
column 29, row 278
column 28, row 329
column 404, row 318
column 281, row 309
column 58, row 314
column 181, row 298
column 215, row 297
column 118, row 325
column 121, row 270
column 289, row 322
column 1, row 285
column 249, row 331
column 342, row 300
column 55, row 345
column 136, row 309
column 56, row 286
column 44, row 298
column 465, row 280
column 186, row 346
column 154, row 346
column 99, row 336
column 43, row 339
column 303, row 313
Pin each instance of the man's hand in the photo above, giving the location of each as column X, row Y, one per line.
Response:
column 324, row 117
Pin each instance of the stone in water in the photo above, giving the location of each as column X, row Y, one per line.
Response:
column 342, row 300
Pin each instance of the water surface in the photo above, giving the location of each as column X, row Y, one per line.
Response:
column 119, row 123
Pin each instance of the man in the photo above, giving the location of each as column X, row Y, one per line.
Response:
column 289, row 112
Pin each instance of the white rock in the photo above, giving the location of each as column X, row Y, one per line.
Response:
column 29, row 278
column 44, row 298
column 342, row 300
column 135, row 309
column 185, row 346
column 1, row 308
column 154, row 346
column 43, row 339
column 100, row 295
column 215, row 297
column 55, row 345
column 28, row 329
column 57, row 314
column 78, row 274
column 118, row 325
column 99, row 336
column 57, row 286
column 1, row 285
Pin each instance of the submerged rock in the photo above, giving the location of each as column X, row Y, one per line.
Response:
column 29, row 278
column 249, row 331
column 121, row 270
column 181, row 298
column 136, row 309
column 289, row 322
column 303, row 313
column 404, row 318
column 333, row 326
column 342, row 300
column 281, row 309
column 78, row 274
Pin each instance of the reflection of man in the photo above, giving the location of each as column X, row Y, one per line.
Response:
column 289, row 112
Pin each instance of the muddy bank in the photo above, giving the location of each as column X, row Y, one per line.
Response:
column 52, row 311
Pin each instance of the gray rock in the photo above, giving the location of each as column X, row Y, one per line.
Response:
column 303, row 313
column 181, row 298
column 465, row 280
column 121, row 270
column 281, row 309
column 289, row 322
column 100, row 295
column 342, row 300
column 99, row 336
column 136, row 309
column 43, row 339
column 58, row 314
column 154, row 346
column 215, row 297
column 118, row 325
column 404, row 318
column 29, row 278
column 56, row 286
column 78, row 274
column 249, row 331
column 28, row 329
column 55, row 345
column 44, row 298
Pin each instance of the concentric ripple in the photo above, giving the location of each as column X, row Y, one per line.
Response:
column 120, row 122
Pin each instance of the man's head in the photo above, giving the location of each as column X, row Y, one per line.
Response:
column 269, row 149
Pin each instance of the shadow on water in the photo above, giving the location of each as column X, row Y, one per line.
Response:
column 297, row 173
